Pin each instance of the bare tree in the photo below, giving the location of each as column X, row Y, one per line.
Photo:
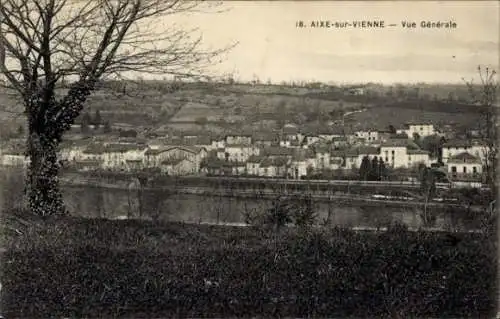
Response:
column 485, row 96
column 43, row 42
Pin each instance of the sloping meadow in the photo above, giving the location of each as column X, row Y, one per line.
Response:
column 102, row 268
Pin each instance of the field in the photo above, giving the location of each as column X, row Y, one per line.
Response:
column 218, row 106
column 382, row 117
column 101, row 268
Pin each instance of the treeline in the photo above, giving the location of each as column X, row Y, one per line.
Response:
column 372, row 170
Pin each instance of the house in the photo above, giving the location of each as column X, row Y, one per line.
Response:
column 274, row 167
column 93, row 151
column 298, row 165
column 176, row 166
column 115, row 156
column 155, row 157
column 464, row 165
column 417, row 157
column 253, row 164
column 86, row 164
column 238, row 168
column 198, row 141
column 384, row 135
column 285, row 143
column 290, row 133
column 368, row 135
column 455, row 147
column 238, row 138
column 265, row 138
column 73, row 150
column 296, row 144
column 421, row 128
column 240, row 152
column 212, row 166
column 322, row 152
column 399, row 136
column 275, row 151
column 218, row 167
column 350, row 158
column 330, row 132
column 14, row 158
column 341, row 141
column 368, row 151
column 394, row 152
column 311, row 139
column 217, row 141
column 309, row 135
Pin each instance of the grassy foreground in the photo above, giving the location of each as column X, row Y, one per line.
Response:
column 101, row 268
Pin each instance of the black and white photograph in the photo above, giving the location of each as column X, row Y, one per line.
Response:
column 249, row 159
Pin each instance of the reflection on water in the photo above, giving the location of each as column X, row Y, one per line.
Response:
column 112, row 203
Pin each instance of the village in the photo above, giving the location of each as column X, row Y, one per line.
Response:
column 292, row 152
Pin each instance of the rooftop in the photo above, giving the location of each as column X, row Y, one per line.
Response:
column 290, row 129
column 172, row 161
column 416, row 152
column 187, row 148
column 122, row 148
column 277, row 151
column 457, row 144
column 279, row 161
column 264, row 136
column 395, row 143
column 255, row 159
column 464, row 157
column 240, row 145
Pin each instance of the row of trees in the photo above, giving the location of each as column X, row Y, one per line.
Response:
column 372, row 170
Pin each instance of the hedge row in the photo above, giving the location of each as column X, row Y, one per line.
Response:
column 122, row 269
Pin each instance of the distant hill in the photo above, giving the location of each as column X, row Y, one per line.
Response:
column 157, row 103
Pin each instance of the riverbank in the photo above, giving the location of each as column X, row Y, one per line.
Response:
column 324, row 195
column 76, row 267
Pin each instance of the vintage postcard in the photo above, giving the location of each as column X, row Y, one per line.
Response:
column 298, row 159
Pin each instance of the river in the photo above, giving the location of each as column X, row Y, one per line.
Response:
column 94, row 201
column 113, row 203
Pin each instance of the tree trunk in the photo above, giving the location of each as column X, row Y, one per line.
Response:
column 42, row 182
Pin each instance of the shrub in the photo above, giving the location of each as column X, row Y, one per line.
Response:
column 304, row 212
column 100, row 268
column 279, row 214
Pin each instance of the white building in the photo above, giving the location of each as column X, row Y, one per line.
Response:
column 240, row 152
column 455, row 147
column 369, row 136
column 394, row 153
column 464, row 165
column 11, row 158
column 422, row 129
column 119, row 156
column 173, row 155
column 179, row 166
column 238, row 138
column 417, row 157
column 253, row 165
column 298, row 165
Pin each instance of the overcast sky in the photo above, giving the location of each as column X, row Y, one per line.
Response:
column 271, row 47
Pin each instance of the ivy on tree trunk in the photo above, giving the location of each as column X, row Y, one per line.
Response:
column 48, row 120
column 42, row 184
